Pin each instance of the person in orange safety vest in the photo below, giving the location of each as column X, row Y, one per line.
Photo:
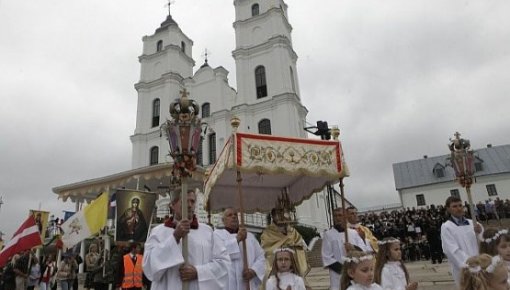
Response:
column 133, row 273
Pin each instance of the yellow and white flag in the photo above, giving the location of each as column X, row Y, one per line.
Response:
column 87, row 222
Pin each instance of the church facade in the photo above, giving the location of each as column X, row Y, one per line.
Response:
column 267, row 98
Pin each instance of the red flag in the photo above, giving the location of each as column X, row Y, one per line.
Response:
column 25, row 238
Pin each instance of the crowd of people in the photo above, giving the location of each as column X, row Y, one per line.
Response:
column 361, row 251
column 417, row 229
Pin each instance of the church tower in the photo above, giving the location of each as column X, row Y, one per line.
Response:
column 165, row 62
column 268, row 98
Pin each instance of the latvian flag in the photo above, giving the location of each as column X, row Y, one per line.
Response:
column 25, row 238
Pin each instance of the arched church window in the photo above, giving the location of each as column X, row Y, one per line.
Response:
column 206, row 110
column 155, row 112
column 183, row 46
column 154, row 155
column 265, row 127
column 260, row 82
column 255, row 9
column 212, row 148
column 159, row 46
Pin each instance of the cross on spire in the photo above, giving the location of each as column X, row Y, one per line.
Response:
column 206, row 54
column 170, row 2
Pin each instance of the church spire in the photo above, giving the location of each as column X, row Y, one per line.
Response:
column 169, row 20
column 205, row 55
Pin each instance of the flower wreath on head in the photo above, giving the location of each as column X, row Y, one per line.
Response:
column 278, row 250
column 496, row 236
column 490, row 269
column 357, row 260
column 390, row 241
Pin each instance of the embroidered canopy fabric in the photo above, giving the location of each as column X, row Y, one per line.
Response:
column 269, row 165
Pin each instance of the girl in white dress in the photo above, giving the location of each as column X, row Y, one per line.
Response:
column 358, row 272
column 390, row 271
column 484, row 272
column 284, row 272
column 496, row 242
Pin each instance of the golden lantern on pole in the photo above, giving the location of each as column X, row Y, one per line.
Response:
column 183, row 132
column 462, row 160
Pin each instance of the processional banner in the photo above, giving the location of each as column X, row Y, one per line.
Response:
column 134, row 210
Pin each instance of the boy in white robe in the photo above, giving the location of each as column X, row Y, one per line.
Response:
column 334, row 247
column 233, row 237
column 163, row 262
column 459, row 237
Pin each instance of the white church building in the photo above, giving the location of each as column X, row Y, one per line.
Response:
column 266, row 97
column 429, row 181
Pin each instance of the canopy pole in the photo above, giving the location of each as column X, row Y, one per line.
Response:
column 335, row 133
column 342, row 194
column 241, row 211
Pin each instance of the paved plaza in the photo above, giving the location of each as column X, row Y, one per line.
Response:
column 429, row 276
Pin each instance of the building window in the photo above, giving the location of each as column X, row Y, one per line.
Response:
column 478, row 166
column 255, row 9
column 265, row 127
column 183, row 46
column 491, row 189
column 159, row 46
column 206, row 110
column 438, row 170
column 212, row 148
column 260, row 82
column 455, row 193
column 155, row 112
column 154, row 155
column 420, row 199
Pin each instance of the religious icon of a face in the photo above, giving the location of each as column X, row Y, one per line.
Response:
column 135, row 202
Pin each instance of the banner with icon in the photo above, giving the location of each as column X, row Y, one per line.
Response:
column 134, row 210
column 41, row 220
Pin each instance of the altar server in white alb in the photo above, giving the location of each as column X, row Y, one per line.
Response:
column 334, row 247
column 163, row 263
column 459, row 237
column 232, row 236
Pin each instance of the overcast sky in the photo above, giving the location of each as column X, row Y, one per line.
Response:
column 398, row 77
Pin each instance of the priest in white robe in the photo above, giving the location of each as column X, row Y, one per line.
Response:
column 163, row 262
column 233, row 237
column 334, row 247
column 459, row 237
